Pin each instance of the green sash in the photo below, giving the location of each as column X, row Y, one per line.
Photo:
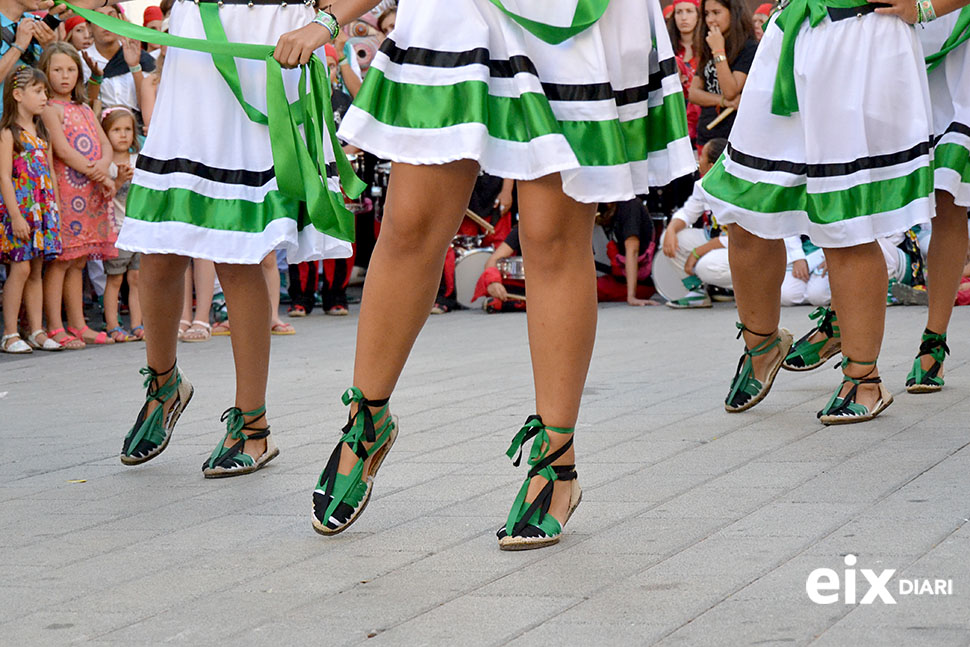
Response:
column 299, row 164
column 784, row 101
column 587, row 13
column 959, row 35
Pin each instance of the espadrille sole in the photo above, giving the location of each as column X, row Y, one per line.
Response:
column 174, row 414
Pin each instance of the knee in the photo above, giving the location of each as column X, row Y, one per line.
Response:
column 427, row 234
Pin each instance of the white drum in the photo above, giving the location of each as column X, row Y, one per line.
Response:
column 668, row 277
column 468, row 267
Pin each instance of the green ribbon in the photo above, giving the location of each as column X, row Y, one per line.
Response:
column 959, row 35
column 300, row 164
column 784, row 100
column 587, row 13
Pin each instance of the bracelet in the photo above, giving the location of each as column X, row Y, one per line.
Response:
column 719, row 58
column 694, row 253
column 18, row 47
column 96, row 79
column 135, row 69
column 925, row 11
column 326, row 19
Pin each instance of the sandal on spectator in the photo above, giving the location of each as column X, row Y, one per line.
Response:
column 806, row 354
column 120, row 335
column 529, row 524
column 151, row 432
column 339, row 499
column 198, row 331
column 296, row 311
column 100, row 339
column 842, row 410
column 746, row 390
column 14, row 345
column 929, row 381
column 282, row 329
column 69, row 342
column 138, row 333
column 230, row 460
column 183, row 327
column 221, row 329
column 338, row 311
column 48, row 345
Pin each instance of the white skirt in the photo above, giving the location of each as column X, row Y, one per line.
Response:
column 205, row 183
column 459, row 79
column 950, row 97
column 855, row 163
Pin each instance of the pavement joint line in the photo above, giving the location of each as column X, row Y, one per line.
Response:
column 851, row 608
column 809, row 545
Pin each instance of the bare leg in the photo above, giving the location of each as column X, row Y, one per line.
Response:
column 13, row 295
column 247, row 297
column 556, row 235
column 205, row 279
column 74, row 299
column 948, row 250
column 162, row 290
column 34, row 298
column 424, row 208
column 188, row 294
column 134, row 300
column 272, row 275
column 859, row 283
column 757, row 271
column 112, row 288
column 53, row 296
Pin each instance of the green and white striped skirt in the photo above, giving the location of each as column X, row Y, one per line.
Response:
column 460, row 79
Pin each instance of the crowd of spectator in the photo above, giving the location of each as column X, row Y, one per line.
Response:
column 64, row 174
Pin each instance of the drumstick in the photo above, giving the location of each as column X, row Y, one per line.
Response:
column 481, row 222
column 727, row 112
column 515, row 297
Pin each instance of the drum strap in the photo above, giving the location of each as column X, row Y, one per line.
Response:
column 299, row 164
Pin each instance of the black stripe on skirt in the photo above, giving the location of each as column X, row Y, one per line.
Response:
column 828, row 170
column 239, row 177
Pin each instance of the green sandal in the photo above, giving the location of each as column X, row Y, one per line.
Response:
column 151, row 432
column 532, row 525
column 920, row 381
column 746, row 391
column 230, row 460
column 696, row 297
column 339, row 499
column 806, row 355
column 845, row 410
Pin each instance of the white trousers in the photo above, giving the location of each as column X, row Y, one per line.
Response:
column 713, row 267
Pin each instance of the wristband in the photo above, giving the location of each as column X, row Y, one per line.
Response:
column 694, row 253
column 96, row 79
column 18, row 47
column 328, row 20
column 135, row 69
column 925, row 11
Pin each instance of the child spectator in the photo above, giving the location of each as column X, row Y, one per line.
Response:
column 124, row 63
column 119, row 125
column 29, row 209
column 760, row 17
column 727, row 51
column 81, row 161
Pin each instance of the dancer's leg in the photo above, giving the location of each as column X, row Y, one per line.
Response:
column 859, row 283
column 271, row 275
column 556, row 235
column 948, row 250
column 162, row 290
column 248, row 300
column 425, row 205
column 757, row 272
column 424, row 208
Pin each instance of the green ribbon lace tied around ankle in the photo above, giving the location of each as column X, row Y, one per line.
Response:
column 784, row 100
column 587, row 13
column 235, row 419
column 153, row 422
column 300, row 164
column 533, row 428
column 957, row 37
column 826, row 320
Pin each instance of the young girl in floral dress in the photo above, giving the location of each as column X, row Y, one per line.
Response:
column 82, row 159
column 29, row 226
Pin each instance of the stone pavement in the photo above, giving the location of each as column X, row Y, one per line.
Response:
column 697, row 527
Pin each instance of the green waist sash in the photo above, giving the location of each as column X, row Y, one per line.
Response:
column 959, row 35
column 784, row 101
column 587, row 13
column 300, row 164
